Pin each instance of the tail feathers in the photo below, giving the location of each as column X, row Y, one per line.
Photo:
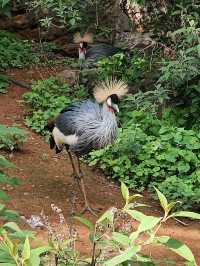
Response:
column 52, row 142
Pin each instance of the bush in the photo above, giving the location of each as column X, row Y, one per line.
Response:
column 152, row 152
column 15, row 52
column 6, row 179
column 12, row 138
column 115, row 65
column 181, row 75
column 4, row 83
column 47, row 99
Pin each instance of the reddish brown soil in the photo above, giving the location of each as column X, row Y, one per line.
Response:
column 47, row 178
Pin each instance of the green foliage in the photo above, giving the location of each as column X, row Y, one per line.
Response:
column 47, row 99
column 125, row 246
column 15, row 52
column 151, row 152
column 12, row 138
column 15, row 248
column 4, row 83
column 6, row 179
column 5, row 6
column 181, row 75
column 73, row 13
column 115, row 65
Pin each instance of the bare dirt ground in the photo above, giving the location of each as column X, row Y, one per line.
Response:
column 47, row 179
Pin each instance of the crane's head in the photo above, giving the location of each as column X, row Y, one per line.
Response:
column 110, row 92
column 83, row 41
column 112, row 103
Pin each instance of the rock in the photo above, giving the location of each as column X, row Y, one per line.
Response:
column 69, row 76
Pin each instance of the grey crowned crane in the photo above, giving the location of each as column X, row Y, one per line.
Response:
column 95, row 53
column 87, row 125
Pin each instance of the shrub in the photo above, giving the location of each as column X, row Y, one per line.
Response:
column 4, row 83
column 6, row 179
column 47, row 99
column 116, row 241
column 181, row 74
column 151, row 152
column 15, row 52
column 12, row 138
column 115, row 65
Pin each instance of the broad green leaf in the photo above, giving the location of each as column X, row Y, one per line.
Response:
column 144, row 259
column 162, row 199
column 133, row 236
column 134, row 197
column 125, row 192
column 148, row 223
column 22, row 235
column 26, row 252
column 86, row 222
column 137, row 215
column 35, row 255
column 2, row 207
column 177, row 246
column 124, row 256
column 120, row 238
column 12, row 226
column 9, row 180
column 108, row 215
column 5, row 163
column 171, row 205
column 4, row 196
column 10, row 215
column 192, row 215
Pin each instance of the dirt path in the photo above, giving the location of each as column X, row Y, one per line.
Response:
column 47, row 178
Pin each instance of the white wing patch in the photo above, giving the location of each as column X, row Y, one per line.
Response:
column 61, row 139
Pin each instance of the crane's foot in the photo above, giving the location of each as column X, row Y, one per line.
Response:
column 91, row 210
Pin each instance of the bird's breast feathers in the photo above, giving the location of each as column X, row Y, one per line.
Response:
column 61, row 139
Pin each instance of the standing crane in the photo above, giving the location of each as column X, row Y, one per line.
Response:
column 87, row 125
column 95, row 53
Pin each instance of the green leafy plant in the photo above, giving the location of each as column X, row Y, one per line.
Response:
column 66, row 12
column 47, row 99
column 15, row 52
column 4, row 83
column 115, row 245
column 151, row 152
column 181, row 74
column 15, row 248
column 135, row 66
column 12, row 138
column 6, row 179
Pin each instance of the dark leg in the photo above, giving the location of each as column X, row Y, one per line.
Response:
column 87, row 206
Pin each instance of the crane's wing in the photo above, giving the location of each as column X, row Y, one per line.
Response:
column 88, row 122
column 102, row 50
column 75, row 118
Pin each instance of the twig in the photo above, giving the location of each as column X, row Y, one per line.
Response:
column 179, row 221
column 19, row 83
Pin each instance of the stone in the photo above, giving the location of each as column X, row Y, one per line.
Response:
column 69, row 76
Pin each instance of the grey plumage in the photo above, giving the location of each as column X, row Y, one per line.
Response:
column 86, row 126
column 93, row 124
column 102, row 50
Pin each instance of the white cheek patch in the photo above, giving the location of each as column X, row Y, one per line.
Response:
column 61, row 139
column 109, row 103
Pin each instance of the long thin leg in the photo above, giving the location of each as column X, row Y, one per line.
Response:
column 87, row 206
column 75, row 174
column 72, row 162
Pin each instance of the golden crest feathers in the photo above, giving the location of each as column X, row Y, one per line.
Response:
column 104, row 89
column 87, row 37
